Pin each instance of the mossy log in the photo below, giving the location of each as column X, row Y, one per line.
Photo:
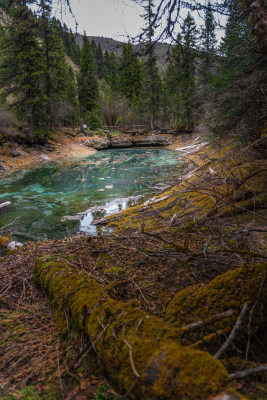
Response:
column 247, row 284
column 140, row 354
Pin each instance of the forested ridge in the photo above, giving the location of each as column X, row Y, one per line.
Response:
column 107, row 89
column 169, row 300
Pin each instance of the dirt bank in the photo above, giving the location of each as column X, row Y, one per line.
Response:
column 14, row 156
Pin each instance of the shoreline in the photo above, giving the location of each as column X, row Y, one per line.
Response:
column 65, row 148
column 15, row 157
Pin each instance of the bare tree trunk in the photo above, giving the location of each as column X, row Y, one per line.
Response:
column 31, row 122
column 81, row 126
column 257, row 15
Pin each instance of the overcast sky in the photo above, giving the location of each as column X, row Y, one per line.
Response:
column 108, row 18
column 115, row 19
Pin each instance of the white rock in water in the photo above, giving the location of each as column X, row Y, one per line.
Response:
column 109, row 187
column 43, row 157
column 13, row 245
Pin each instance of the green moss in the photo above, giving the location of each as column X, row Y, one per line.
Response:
column 199, row 376
column 128, row 341
column 115, row 270
column 228, row 291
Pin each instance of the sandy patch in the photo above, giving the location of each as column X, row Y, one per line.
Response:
column 66, row 148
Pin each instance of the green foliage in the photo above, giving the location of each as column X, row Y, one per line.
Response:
column 27, row 393
column 37, row 82
column 151, row 88
column 99, row 59
column 181, row 77
column 22, row 65
column 93, row 120
column 88, row 90
column 55, row 67
column 130, row 74
column 101, row 395
column 237, row 89
column 208, row 42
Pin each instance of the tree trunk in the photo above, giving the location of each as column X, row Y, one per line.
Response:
column 31, row 122
column 257, row 15
column 81, row 126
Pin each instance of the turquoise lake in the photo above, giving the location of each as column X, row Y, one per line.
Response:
column 61, row 199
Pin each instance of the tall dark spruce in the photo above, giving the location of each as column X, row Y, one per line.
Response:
column 88, row 89
column 22, row 65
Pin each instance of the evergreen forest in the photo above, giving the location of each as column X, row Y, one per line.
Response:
column 48, row 80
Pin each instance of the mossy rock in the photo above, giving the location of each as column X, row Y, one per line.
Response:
column 137, row 351
column 231, row 290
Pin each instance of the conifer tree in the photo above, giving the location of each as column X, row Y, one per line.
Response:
column 56, row 69
column 113, row 73
column 99, row 59
column 152, row 78
column 93, row 48
column 208, row 43
column 130, row 75
column 237, row 88
column 181, row 76
column 106, row 65
column 22, row 66
column 88, row 90
column 70, row 107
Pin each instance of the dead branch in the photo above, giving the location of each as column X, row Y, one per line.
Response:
column 233, row 332
column 131, row 358
column 209, row 321
column 183, row 249
column 251, row 312
column 247, row 372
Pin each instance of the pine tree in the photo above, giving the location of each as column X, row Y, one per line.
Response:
column 181, row 76
column 70, row 107
column 208, row 45
column 22, row 66
column 87, row 80
column 172, row 84
column 56, row 69
column 93, row 48
column 238, row 96
column 106, row 65
column 208, row 36
column 113, row 73
column 152, row 79
column 99, row 59
column 130, row 75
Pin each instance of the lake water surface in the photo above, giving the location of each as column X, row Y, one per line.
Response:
column 61, row 199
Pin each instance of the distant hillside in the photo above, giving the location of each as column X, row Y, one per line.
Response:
column 161, row 49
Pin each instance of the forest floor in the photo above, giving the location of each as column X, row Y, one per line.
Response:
column 211, row 225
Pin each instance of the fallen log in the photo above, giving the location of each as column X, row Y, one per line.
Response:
column 233, row 289
column 140, row 354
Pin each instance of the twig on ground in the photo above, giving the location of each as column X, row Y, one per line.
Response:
column 131, row 355
column 251, row 312
column 247, row 372
column 209, row 321
column 233, row 332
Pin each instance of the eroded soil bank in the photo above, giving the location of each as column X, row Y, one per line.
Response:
column 144, row 311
